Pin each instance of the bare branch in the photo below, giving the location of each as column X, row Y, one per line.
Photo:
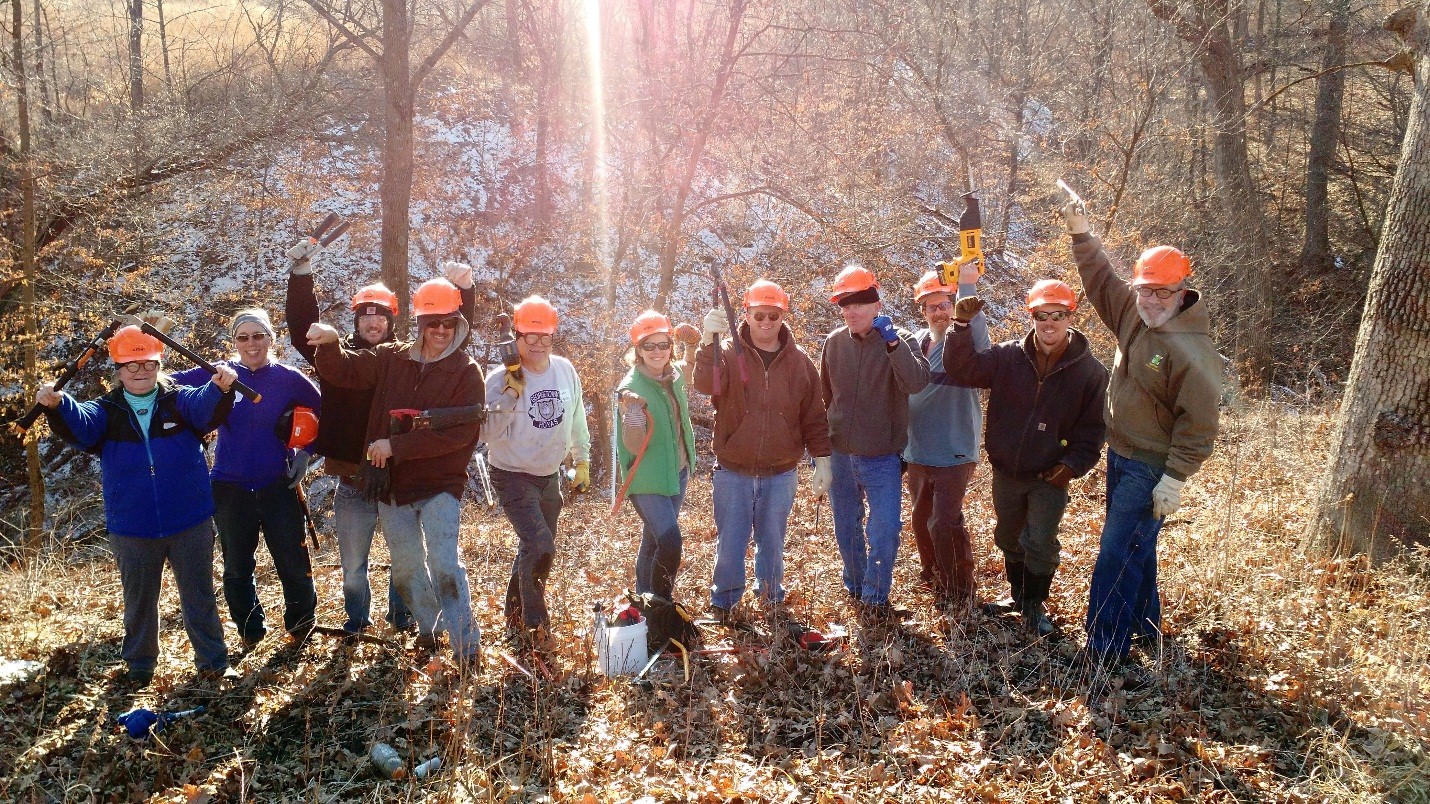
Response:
column 356, row 39
column 446, row 43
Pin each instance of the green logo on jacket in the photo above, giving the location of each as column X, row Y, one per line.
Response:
column 1156, row 362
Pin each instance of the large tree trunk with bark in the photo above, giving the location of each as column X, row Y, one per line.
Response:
column 35, row 519
column 1325, row 140
column 136, row 55
column 395, row 190
column 1375, row 495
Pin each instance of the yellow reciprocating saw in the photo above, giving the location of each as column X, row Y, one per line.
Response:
column 970, row 241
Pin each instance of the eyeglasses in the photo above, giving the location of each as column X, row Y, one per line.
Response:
column 1161, row 293
column 244, row 337
column 774, row 316
column 1056, row 315
column 450, row 322
column 655, row 346
column 941, row 307
column 533, row 338
column 136, row 366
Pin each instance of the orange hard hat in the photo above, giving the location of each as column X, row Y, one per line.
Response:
column 931, row 283
column 377, row 294
column 535, row 315
column 1161, row 265
column 130, row 344
column 853, row 279
column 297, row 427
column 765, row 293
column 1051, row 291
column 436, row 297
column 647, row 324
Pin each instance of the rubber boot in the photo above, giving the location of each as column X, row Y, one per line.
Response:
column 1035, row 592
column 1016, row 572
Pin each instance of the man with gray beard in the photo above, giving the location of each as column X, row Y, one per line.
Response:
column 1161, row 418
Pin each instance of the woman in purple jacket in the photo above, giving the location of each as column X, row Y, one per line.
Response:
column 255, row 477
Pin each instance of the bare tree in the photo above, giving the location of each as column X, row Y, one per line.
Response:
column 35, row 520
column 1325, row 142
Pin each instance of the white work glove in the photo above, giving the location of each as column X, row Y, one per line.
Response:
column 304, row 254
column 458, row 273
column 319, row 334
column 1167, row 496
column 823, row 476
column 297, row 468
column 1075, row 218
column 714, row 325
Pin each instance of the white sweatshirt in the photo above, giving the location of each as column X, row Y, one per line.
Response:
column 546, row 424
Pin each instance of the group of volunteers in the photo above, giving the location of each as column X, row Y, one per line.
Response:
column 882, row 407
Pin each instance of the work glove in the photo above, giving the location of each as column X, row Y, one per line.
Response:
column 1075, row 218
column 303, row 254
column 714, row 325
column 1167, row 496
column 633, row 413
column 458, row 273
column 966, row 308
column 687, row 334
column 582, row 481
column 823, row 476
column 297, row 467
column 515, row 382
column 1059, row 475
column 373, row 482
column 885, row 327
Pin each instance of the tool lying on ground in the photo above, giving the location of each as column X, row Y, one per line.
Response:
column 140, row 723
column 163, row 337
column 375, row 481
column 722, row 294
column 72, row 368
column 817, row 641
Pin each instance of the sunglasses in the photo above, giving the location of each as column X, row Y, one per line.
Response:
column 136, row 366
column 244, row 337
column 450, row 322
column 941, row 307
column 534, row 338
column 1056, row 315
column 655, row 346
column 762, row 316
column 1161, row 293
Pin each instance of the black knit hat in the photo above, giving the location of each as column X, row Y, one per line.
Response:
column 866, row 296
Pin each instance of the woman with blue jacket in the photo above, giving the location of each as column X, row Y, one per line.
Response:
column 147, row 433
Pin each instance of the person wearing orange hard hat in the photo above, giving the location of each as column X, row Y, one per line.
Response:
column 763, row 428
column 656, row 455
column 417, row 476
column 868, row 368
column 1162, row 420
column 945, row 422
column 158, row 506
column 537, row 421
column 1044, row 429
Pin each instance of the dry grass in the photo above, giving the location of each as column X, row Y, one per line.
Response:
column 1283, row 676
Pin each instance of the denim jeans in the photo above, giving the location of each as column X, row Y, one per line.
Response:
column 1029, row 514
column 428, row 570
column 356, row 525
column 658, row 560
column 945, row 549
column 532, row 504
column 749, row 509
column 190, row 555
column 239, row 515
column 1123, row 600
column 868, row 564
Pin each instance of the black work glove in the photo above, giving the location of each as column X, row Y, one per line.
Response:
column 967, row 308
column 373, row 482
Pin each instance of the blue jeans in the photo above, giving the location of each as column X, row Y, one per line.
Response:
column 658, row 559
column 240, row 514
column 750, row 508
column 356, row 524
column 1123, row 599
column 868, row 565
column 428, row 570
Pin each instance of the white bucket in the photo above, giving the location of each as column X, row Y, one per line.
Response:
column 621, row 649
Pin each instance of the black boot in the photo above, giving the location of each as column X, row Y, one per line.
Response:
column 1035, row 591
column 1016, row 572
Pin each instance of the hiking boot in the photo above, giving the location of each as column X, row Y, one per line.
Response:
column 1036, row 622
column 250, row 641
column 885, row 613
column 219, row 675
column 720, row 615
column 997, row 608
column 138, row 678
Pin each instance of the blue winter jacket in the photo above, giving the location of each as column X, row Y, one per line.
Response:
column 152, row 488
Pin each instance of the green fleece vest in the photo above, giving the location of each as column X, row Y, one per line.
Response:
column 659, row 472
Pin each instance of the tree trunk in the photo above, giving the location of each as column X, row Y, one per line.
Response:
column 35, row 520
column 1330, row 88
column 395, row 190
column 1376, row 492
column 42, row 95
column 136, row 56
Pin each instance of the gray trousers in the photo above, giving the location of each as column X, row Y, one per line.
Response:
column 1029, row 514
column 190, row 555
column 533, row 506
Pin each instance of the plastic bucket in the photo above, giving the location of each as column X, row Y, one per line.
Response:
column 621, row 649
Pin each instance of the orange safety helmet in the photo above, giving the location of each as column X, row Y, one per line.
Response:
column 535, row 315
column 297, row 427
column 1161, row 265
column 765, row 293
column 647, row 324
column 931, row 283
column 436, row 297
column 853, row 279
column 130, row 344
column 377, row 294
column 1051, row 291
